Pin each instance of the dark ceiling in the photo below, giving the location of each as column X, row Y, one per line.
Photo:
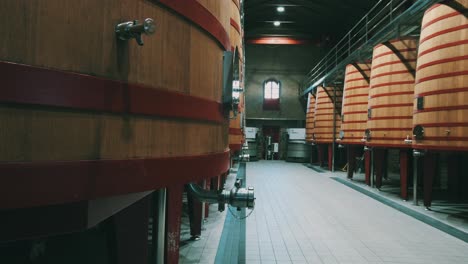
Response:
column 316, row 20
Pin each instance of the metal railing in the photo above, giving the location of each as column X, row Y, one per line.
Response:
column 387, row 19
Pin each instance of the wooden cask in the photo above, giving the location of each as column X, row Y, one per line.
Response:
column 440, row 112
column 310, row 115
column 390, row 111
column 355, row 100
column 236, row 134
column 324, row 111
column 74, row 93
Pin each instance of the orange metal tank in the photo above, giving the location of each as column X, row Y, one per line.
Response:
column 440, row 112
column 391, row 93
column 324, row 111
column 355, row 100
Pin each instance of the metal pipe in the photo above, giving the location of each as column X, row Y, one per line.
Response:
column 416, row 155
column 334, row 128
column 203, row 195
column 415, row 180
column 159, row 227
column 372, row 169
column 238, row 196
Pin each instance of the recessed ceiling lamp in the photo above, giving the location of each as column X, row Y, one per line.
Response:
column 280, row 9
column 276, row 23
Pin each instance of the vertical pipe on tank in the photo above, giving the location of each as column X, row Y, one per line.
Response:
column 159, row 226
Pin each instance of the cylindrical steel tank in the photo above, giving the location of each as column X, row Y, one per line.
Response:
column 297, row 148
column 391, row 93
column 355, row 100
column 440, row 112
column 310, row 118
column 324, row 110
column 252, row 138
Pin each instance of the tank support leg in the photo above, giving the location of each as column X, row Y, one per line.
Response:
column 454, row 173
column 404, row 172
column 130, row 236
column 367, row 164
column 159, row 226
column 195, row 215
column 207, row 205
column 320, row 154
column 330, row 157
column 429, row 173
column 351, row 160
column 379, row 155
column 215, row 182
column 173, row 221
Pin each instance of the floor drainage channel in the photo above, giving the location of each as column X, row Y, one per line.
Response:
column 231, row 247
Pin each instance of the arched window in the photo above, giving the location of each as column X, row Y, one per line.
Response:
column 271, row 95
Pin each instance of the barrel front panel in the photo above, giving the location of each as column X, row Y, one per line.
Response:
column 355, row 101
column 391, row 91
column 310, row 116
column 441, row 92
column 324, row 115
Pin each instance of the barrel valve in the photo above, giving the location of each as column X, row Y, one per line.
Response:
column 408, row 140
column 238, row 196
column 131, row 29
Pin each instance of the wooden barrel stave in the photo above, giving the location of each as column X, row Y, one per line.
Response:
column 355, row 100
column 390, row 94
column 324, row 110
column 441, row 79
column 310, row 118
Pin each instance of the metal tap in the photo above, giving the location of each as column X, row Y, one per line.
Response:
column 237, row 197
column 131, row 29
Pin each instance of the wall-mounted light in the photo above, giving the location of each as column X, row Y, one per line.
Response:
column 280, row 9
column 277, row 23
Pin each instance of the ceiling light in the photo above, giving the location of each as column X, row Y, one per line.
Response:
column 280, row 9
column 276, row 23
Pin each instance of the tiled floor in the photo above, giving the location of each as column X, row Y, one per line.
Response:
column 302, row 216
column 443, row 209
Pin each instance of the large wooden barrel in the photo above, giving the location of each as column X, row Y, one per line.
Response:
column 391, row 93
column 310, row 118
column 355, row 100
column 236, row 135
column 324, row 111
column 100, row 109
column 440, row 117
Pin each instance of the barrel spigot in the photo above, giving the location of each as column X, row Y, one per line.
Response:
column 408, row 140
column 131, row 29
column 418, row 153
